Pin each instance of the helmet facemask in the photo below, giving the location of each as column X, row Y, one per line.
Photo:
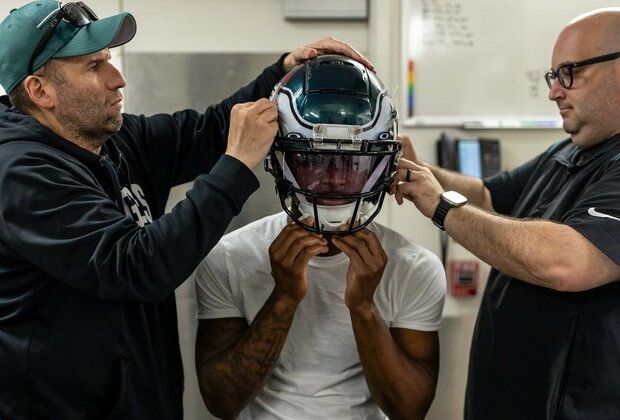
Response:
column 334, row 156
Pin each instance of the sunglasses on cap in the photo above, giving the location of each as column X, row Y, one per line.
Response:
column 78, row 14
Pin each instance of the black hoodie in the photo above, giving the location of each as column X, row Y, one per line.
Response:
column 89, row 262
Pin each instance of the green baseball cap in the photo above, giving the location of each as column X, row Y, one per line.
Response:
column 23, row 28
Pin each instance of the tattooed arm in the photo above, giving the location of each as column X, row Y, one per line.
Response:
column 234, row 360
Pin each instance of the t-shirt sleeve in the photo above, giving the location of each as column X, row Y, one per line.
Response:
column 506, row 187
column 422, row 298
column 596, row 213
column 213, row 292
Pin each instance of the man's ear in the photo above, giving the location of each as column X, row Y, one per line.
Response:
column 40, row 91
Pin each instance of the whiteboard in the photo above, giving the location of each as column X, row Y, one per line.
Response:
column 481, row 63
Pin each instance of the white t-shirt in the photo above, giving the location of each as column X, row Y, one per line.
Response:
column 318, row 374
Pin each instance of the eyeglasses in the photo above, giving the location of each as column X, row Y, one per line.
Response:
column 78, row 14
column 564, row 73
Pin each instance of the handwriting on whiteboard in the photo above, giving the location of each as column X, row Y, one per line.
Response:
column 446, row 24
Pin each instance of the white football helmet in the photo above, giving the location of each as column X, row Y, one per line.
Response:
column 334, row 155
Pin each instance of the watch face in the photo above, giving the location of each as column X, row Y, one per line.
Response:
column 454, row 198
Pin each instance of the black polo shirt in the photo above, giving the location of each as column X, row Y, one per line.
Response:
column 538, row 353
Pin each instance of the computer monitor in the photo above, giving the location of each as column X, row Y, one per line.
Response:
column 469, row 157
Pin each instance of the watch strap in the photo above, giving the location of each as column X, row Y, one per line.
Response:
column 447, row 200
column 441, row 212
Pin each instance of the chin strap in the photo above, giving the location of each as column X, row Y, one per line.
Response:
column 330, row 216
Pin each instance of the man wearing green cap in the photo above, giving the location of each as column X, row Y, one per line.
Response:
column 88, row 260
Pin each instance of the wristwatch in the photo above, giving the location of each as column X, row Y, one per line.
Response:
column 448, row 200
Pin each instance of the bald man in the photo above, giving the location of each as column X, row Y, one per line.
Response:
column 547, row 340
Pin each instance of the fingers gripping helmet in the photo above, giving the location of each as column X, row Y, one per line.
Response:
column 333, row 157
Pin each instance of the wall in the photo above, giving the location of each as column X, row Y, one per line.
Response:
column 228, row 26
column 250, row 26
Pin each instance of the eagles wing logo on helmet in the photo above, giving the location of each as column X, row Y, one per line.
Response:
column 333, row 157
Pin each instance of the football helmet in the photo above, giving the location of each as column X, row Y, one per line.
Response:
column 334, row 155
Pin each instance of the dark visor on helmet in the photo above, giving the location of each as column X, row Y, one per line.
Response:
column 333, row 174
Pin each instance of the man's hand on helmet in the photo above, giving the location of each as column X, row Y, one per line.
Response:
column 253, row 126
column 329, row 45
column 407, row 152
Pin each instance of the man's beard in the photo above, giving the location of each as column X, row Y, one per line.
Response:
column 83, row 119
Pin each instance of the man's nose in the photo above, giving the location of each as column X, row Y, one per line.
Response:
column 335, row 175
column 556, row 91
column 116, row 79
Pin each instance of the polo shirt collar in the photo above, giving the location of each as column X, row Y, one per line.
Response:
column 575, row 157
